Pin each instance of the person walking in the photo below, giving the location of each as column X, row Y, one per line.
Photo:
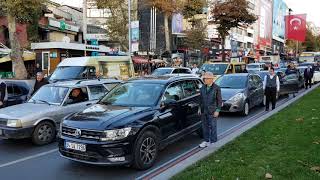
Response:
column 195, row 69
column 308, row 75
column 210, row 105
column 39, row 82
column 271, row 86
column 3, row 94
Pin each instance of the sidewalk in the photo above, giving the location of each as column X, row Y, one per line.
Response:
column 201, row 154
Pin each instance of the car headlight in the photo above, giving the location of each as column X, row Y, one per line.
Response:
column 237, row 97
column 116, row 134
column 14, row 123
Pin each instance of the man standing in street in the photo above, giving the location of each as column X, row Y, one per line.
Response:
column 195, row 69
column 3, row 94
column 308, row 75
column 40, row 82
column 210, row 105
column 271, row 85
column 244, row 69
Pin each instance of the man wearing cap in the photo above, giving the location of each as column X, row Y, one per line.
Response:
column 39, row 83
column 210, row 105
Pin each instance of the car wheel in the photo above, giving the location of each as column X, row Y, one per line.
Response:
column 44, row 133
column 145, row 151
column 246, row 109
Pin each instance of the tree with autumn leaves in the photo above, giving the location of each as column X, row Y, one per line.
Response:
column 21, row 11
column 230, row 14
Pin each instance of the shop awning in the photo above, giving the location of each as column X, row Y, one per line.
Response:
column 27, row 56
column 139, row 60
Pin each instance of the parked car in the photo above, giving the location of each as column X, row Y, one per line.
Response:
column 132, row 122
column 256, row 67
column 172, row 71
column 241, row 92
column 289, row 84
column 18, row 92
column 40, row 117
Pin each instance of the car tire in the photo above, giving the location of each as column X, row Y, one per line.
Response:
column 246, row 109
column 44, row 133
column 145, row 150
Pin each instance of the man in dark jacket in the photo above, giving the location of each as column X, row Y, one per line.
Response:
column 210, row 105
column 3, row 94
column 39, row 83
column 308, row 75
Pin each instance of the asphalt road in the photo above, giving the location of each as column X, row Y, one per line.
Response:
column 21, row 160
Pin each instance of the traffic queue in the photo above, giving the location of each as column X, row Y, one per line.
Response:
column 126, row 120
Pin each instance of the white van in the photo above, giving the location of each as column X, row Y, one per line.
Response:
column 256, row 67
column 120, row 67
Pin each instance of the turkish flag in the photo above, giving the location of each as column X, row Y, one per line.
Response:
column 296, row 27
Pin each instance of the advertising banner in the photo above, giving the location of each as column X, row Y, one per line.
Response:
column 135, row 36
column 265, row 23
column 278, row 25
column 177, row 23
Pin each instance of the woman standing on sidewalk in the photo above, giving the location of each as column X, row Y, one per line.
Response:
column 210, row 105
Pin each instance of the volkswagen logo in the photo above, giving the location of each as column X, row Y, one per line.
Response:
column 77, row 133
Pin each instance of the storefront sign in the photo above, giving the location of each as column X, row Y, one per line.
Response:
column 99, row 37
column 63, row 25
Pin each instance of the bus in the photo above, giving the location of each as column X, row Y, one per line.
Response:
column 309, row 57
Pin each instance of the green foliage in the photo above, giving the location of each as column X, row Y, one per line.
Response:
column 22, row 10
column 231, row 14
column 196, row 37
column 193, row 7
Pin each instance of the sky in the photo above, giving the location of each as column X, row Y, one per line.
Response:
column 310, row 7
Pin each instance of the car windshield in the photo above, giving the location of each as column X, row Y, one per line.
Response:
column 232, row 82
column 253, row 66
column 134, row 94
column 69, row 72
column 50, row 95
column 160, row 72
column 216, row 69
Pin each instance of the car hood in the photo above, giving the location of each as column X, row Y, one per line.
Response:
column 101, row 117
column 229, row 93
column 23, row 110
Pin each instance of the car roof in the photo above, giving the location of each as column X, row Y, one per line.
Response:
column 173, row 68
column 81, row 83
column 165, row 79
column 238, row 74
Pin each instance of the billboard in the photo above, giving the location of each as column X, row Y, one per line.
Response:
column 177, row 23
column 278, row 24
column 265, row 23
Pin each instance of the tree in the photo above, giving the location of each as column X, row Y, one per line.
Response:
column 18, row 11
column 168, row 8
column 192, row 8
column 118, row 22
column 195, row 37
column 231, row 14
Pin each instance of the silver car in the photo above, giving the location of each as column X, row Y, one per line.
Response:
column 40, row 117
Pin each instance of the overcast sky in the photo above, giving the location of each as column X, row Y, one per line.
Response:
column 310, row 7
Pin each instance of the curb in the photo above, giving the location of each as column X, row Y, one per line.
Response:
column 201, row 154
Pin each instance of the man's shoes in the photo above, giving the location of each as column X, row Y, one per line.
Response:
column 204, row 144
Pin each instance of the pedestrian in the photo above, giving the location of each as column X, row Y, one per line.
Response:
column 291, row 69
column 271, row 86
column 308, row 75
column 244, row 69
column 195, row 69
column 3, row 94
column 38, row 69
column 39, row 82
column 210, row 105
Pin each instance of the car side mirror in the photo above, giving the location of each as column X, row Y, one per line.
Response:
column 169, row 103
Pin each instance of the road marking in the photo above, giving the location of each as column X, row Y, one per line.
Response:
column 163, row 167
column 28, row 158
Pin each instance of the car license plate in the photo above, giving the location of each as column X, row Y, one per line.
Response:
column 75, row 146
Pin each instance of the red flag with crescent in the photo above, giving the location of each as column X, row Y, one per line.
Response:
column 296, row 27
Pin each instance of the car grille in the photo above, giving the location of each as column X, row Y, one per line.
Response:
column 3, row 122
column 85, row 156
column 85, row 134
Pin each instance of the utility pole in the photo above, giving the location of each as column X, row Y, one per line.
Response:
column 84, row 28
column 129, row 19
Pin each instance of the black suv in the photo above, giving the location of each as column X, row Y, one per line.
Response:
column 132, row 122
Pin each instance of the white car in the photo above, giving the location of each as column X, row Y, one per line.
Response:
column 172, row 71
column 316, row 74
column 256, row 67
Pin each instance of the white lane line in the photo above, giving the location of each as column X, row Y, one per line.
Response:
column 28, row 158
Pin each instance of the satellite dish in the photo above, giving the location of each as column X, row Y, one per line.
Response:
column 66, row 39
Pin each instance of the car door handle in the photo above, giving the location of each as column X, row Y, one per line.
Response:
column 193, row 105
column 89, row 104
